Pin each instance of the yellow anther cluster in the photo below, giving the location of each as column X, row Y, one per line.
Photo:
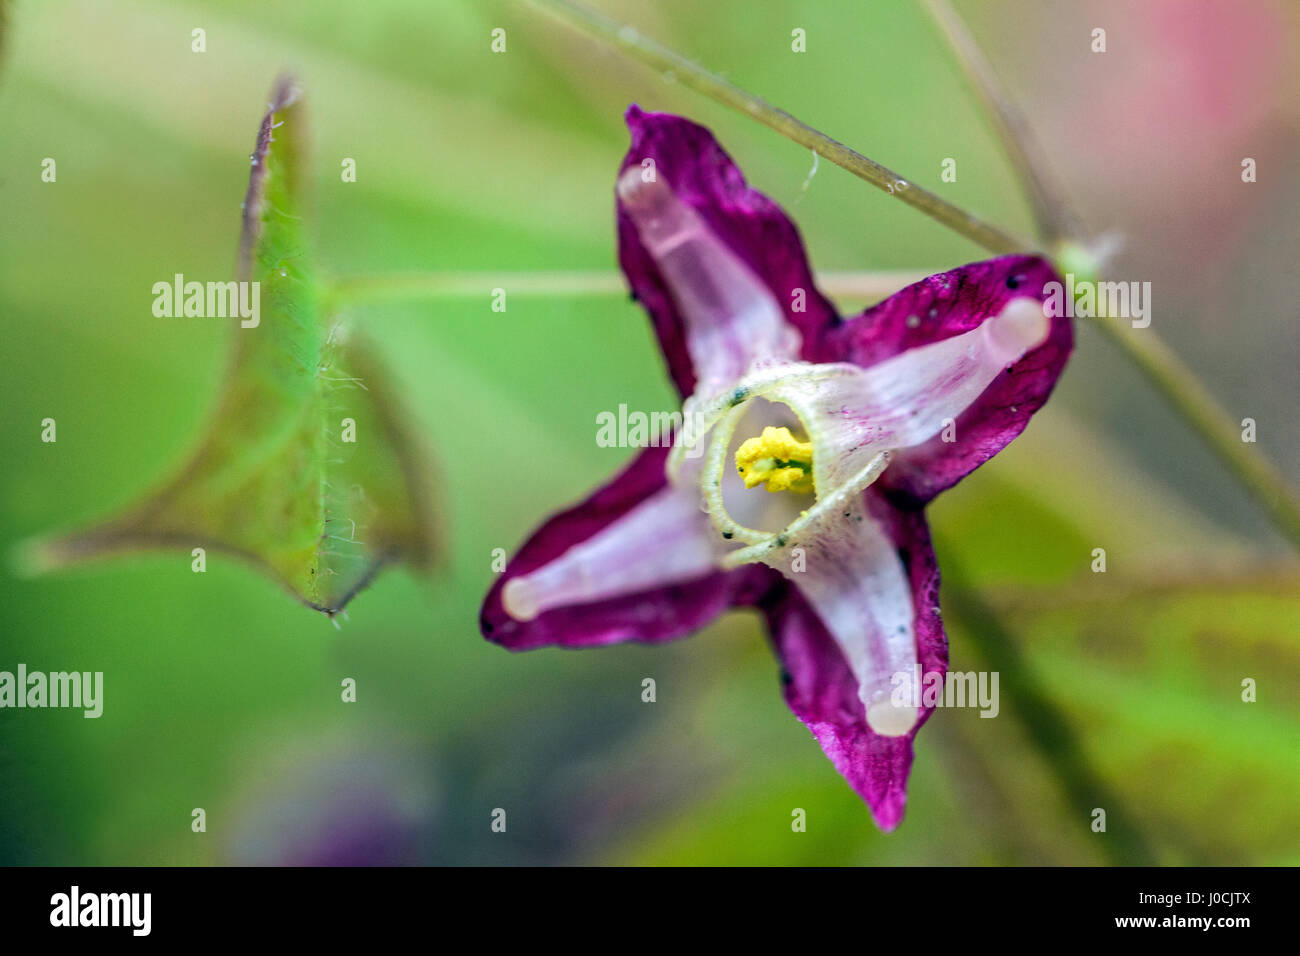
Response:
column 778, row 459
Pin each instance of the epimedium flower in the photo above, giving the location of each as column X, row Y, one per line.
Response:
column 816, row 443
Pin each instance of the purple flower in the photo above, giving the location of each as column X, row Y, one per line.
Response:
column 853, row 425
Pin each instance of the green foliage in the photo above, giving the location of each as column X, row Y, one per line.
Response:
column 306, row 468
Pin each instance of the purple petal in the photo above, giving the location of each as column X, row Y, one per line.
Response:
column 653, row 615
column 750, row 225
column 822, row 690
column 937, row 308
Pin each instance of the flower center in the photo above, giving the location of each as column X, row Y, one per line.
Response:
column 778, row 460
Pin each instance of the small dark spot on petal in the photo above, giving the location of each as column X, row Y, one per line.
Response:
column 1014, row 282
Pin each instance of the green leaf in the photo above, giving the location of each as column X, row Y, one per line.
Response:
column 274, row 479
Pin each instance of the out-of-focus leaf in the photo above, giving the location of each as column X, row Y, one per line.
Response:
column 275, row 479
column 1153, row 680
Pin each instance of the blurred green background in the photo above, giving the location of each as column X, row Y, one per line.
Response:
column 223, row 693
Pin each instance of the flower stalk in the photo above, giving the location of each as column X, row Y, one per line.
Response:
column 422, row 286
column 1046, row 196
column 660, row 58
column 1185, row 392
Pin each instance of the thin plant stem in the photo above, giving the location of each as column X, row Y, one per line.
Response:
column 691, row 74
column 1046, row 196
column 1220, row 432
column 399, row 287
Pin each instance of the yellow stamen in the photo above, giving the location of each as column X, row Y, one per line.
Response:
column 778, row 459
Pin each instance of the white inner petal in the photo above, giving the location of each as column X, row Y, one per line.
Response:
column 731, row 318
column 847, row 568
column 664, row 540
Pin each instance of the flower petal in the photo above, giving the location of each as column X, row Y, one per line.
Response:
column 634, row 562
column 821, row 688
column 741, row 287
column 935, row 309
